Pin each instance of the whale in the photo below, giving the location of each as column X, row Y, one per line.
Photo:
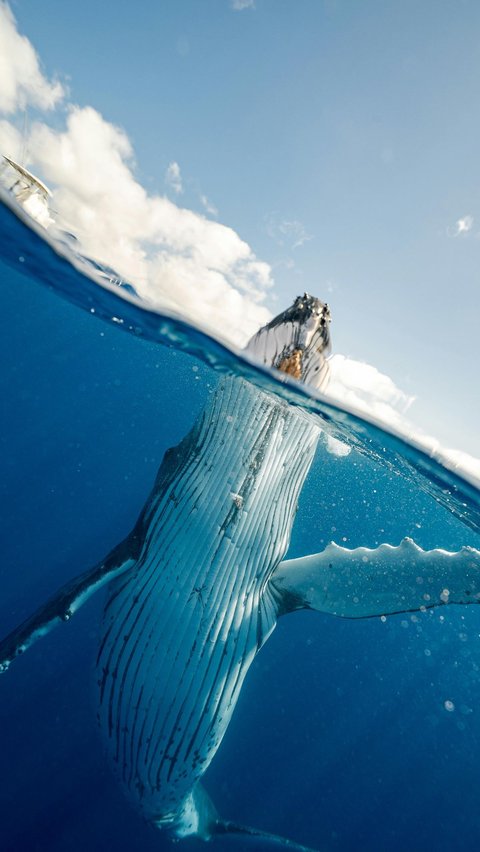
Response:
column 199, row 584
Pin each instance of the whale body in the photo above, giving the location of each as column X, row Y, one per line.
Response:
column 182, row 628
column 197, row 587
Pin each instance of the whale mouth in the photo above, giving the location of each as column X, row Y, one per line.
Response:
column 297, row 341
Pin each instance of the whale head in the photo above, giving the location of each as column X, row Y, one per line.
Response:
column 297, row 341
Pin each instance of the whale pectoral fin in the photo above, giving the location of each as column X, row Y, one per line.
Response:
column 66, row 602
column 361, row 583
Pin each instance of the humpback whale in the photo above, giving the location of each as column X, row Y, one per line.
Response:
column 197, row 587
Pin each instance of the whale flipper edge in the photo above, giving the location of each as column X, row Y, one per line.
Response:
column 66, row 601
column 385, row 580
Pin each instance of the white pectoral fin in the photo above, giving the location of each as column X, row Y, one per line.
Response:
column 361, row 583
column 65, row 602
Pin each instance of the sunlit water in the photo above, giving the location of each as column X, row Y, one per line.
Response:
column 348, row 734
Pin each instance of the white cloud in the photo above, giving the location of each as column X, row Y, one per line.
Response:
column 363, row 389
column 11, row 141
column 288, row 232
column 367, row 390
column 172, row 255
column 239, row 5
column 173, row 178
column 462, row 226
column 208, row 206
column 22, row 82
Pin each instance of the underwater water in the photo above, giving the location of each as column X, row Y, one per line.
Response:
column 348, row 734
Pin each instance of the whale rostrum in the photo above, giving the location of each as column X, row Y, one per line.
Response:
column 197, row 587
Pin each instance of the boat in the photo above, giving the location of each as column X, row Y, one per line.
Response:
column 30, row 192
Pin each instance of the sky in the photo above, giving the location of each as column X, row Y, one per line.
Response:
column 230, row 155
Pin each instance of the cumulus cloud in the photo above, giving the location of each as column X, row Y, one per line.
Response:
column 462, row 226
column 367, row 390
column 239, row 5
column 173, row 256
column 22, row 82
column 173, row 178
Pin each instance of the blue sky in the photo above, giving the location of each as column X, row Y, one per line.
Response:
column 339, row 140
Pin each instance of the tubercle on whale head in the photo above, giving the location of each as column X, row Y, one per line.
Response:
column 297, row 341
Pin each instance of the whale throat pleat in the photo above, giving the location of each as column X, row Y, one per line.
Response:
column 181, row 630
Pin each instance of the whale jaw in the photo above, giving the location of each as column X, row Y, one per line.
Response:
column 297, row 342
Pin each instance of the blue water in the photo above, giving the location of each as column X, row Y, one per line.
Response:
column 341, row 739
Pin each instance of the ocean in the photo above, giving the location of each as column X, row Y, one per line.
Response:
column 349, row 733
